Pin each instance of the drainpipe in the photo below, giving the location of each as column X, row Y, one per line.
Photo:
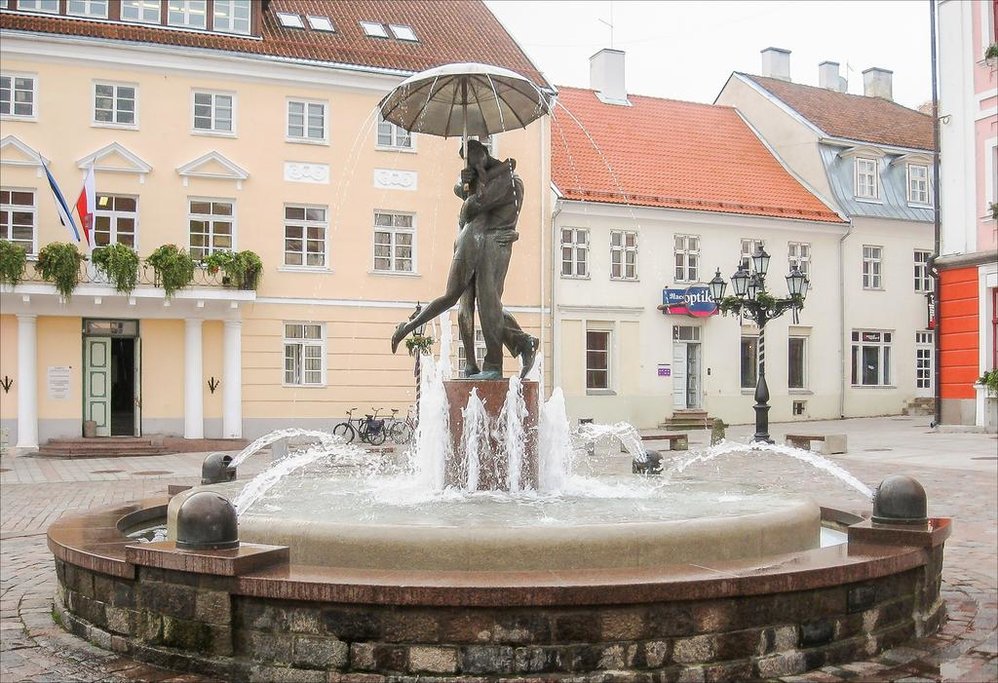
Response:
column 937, row 228
column 842, row 321
column 555, row 274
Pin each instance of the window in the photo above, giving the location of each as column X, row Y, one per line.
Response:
column 687, row 258
column 749, row 247
column 403, row 32
column 231, row 16
column 213, row 112
column 799, row 255
column 305, row 236
column 623, row 255
column 867, row 185
column 374, row 29
column 390, row 135
column 306, row 121
column 212, row 226
column 574, row 252
column 923, row 282
column 797, row 362
column 39, row 5
column 923, row 360
column 17, row 96
column 87, row 8
column 304, row 354
column 17, row 217
column 321, row 23
column 187, row 13
column 394, row 235
column 114, row 104
column 289, row 20
column 918, row 184
column 871, row 358
column 115, row 220
column 749, row 362
column 462, row 357
column 597, row 359
column 144, row 11
column 872, row 266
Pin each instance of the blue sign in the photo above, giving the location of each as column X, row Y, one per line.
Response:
column 693, row 301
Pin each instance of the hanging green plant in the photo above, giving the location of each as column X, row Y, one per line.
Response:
column 418, row 343
column 991, row 52
column 242, row 269
column 119, row 263
column 59, row 263
column 989, row 380
column 173, row 266
column 13, row 258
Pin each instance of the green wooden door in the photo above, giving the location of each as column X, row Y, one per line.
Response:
column 97, row 383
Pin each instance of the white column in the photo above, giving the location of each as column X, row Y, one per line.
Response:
column 27, row 381
column 193, row 375
column 232, row 380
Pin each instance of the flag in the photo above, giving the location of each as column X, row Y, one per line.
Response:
column 60, row 204
column 85, row 206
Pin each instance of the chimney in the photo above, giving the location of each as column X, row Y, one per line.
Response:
column 877, row 83
column 606, row 76
column 776, row 63
column 828, row 77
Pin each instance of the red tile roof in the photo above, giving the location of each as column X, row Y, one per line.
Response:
column 666, row 153
column 452, row 31
column 854, row 117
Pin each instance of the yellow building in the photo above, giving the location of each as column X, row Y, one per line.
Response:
column 231, row 125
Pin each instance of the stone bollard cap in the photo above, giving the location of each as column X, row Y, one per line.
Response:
column 207, row 521
column 899, row 500
column 217, row 468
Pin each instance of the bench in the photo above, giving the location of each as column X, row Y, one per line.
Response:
column 677, row 441
column 830, row 443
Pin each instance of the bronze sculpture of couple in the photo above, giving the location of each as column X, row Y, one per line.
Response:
column 492, row 197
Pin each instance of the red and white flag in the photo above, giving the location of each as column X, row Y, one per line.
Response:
column 85, row 206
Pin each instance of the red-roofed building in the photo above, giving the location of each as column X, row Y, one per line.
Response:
column 652, row 196
column 870, row 158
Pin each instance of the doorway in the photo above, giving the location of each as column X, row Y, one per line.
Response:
column 686, row 362
column 111, row 377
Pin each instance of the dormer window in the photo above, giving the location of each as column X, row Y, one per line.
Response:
column 403, row 32
column 87, row 8
column 145, row 11
column 374, row 29
column 39, row 6
column 918, row 183
column 321, row 23
column 232, row 16
column 187, row 13
column 867, row 179
column 290, row 20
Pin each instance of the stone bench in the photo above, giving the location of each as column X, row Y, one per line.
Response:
column 830, row 443
column 677, row 441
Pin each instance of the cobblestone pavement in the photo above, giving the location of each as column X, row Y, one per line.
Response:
column 958, row 470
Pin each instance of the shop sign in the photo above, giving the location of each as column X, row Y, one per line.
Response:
column 693, row 301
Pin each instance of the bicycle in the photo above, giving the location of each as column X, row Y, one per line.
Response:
column 401, row 431
column 368, row 428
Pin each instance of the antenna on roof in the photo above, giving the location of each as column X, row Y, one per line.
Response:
column 609, row 23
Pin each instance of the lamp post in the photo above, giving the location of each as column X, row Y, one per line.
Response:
column 752, row 301
column 418, row 333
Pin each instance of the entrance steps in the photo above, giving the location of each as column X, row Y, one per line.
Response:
column 687, row 420
column 125, row 446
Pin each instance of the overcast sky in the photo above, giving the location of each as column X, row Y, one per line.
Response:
column 686, row 50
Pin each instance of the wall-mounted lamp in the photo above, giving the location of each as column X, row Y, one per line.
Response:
column 6, row 383
column 213, row 384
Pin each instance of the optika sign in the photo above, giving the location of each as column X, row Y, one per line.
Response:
column 693, row 301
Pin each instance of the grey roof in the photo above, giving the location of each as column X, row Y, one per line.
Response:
column 893, row 188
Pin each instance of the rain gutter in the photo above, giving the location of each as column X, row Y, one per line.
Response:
column 937, row 369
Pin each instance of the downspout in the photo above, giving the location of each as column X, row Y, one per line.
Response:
column 846, row 373
column 555, row 271
column 937, row 228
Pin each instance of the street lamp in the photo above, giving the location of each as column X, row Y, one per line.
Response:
column 418, row 344
column 752, row 301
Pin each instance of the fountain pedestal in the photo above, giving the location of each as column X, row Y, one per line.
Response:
column 494, row 468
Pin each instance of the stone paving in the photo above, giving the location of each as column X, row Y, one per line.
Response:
column 958, row 471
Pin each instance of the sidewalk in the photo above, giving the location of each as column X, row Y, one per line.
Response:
column 959, row 472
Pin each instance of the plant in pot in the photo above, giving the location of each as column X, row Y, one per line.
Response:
column 173, row 266
column 13, row 258
column 119, row 263
column 59, row 263
column 418, row 343
column 241, row 269
column 989, row 380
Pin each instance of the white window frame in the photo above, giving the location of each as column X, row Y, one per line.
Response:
column 395, row 135
column 115, row 99
column 88, row 8
column 39, row 6
column 146, row 11
column 232, row 17
column 114, row 215
column 609, row 360
column 373, row 29
column 211, row 236
column 624, row 256
column 799, row 254
column 305, row 224
column 186, row 8
column 863, row 170
column 917, row 186
column 480, row 350
column 7, row 229
column 403, row 32
column 804, row 341
column 885, row 357
column 394, row 231
column 14, row 76
column 923, row 281
column 924, row 341
column 304, row 344
column 750, row 245
column 686, row 267
column 290, row 20
column 306, row 106
column 319, row 22
column 873, row 267
column 578, row 251
column 214, row 130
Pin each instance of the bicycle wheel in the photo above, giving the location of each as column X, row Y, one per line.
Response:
column 345, row 430
column 376, row 437
column 401, row 433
